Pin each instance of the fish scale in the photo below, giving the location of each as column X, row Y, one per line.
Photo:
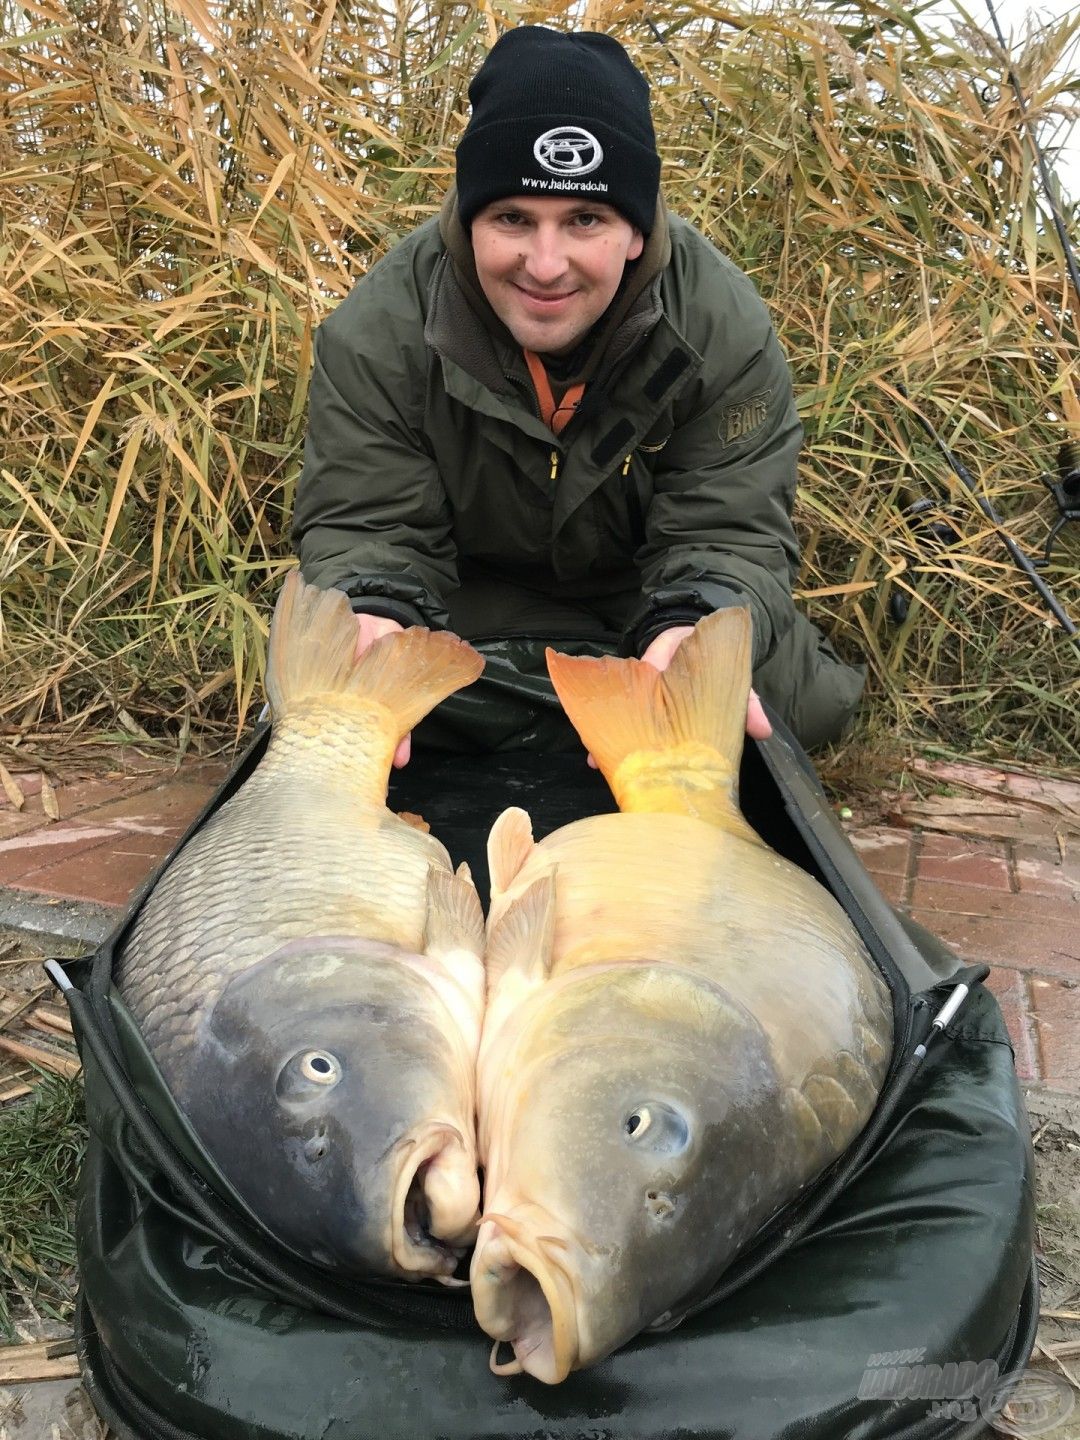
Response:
column 232, row 912
column 308, row 965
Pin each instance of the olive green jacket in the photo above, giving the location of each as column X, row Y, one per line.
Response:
column 429, row 475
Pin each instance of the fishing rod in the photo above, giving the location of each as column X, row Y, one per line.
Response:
column 1066, row 489
column 1023, row 561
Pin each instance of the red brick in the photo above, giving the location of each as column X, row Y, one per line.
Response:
column 17, row 822
column 170, row 807
column 883, row 850
column 28, row 781
column 1059, row 909
column 893, row 887
column 204, row 772
column 1010, row 988
column 1018, row 944
column 1056, row 1008
column 83, row 795
column 46, row 845
column 979, row 863
column 133, row 842
column 102, row 875
column 1045, row 871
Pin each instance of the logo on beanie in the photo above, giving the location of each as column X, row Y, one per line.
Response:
column 568, row 150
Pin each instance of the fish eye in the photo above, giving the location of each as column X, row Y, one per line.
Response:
column 320, row 1067
column 658, row 1128
column 637, row 1123
column 306, row 1075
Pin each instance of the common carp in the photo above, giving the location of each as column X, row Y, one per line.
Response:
column 682, row 1027
column 306, row 973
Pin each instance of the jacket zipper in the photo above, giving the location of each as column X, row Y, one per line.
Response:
column 554, row 472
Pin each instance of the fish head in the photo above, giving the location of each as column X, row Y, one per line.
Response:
column 643, row 1145
column 340, row 1109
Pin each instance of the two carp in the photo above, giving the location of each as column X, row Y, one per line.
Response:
column 678, row 1029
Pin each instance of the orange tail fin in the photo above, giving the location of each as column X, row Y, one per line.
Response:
column 672, row 741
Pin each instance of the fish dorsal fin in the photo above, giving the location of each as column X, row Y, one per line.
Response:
column 455, row 917
column 313, row 656
column 509, row 845
column 523, row 937
column 668, row 741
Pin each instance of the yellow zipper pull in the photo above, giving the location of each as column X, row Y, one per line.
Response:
column 554, row 466
column 626, row 465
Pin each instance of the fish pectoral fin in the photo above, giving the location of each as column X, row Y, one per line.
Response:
column 524, row 935
column 417, row 822
column 455, row 917
column 510, row 843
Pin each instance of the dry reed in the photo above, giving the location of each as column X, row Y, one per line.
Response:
column 188, row 186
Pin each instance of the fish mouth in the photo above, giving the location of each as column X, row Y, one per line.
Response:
column 523, row 1297
column 436, row 1203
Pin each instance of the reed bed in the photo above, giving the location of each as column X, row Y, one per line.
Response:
column 188, row 186
column 41, row 1150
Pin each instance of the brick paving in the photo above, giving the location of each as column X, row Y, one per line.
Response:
column 1013, row 905
column 1010, row 900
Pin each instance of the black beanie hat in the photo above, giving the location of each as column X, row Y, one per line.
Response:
column 561, row 116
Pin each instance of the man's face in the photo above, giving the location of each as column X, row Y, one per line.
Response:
column 550, row 268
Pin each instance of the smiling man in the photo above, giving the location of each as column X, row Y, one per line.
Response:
column 557, row 414
column 550, row 268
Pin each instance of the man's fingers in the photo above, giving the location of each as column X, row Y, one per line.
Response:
column 591, row 763
column 757, row 722
column 370, row 628
column 658, row 654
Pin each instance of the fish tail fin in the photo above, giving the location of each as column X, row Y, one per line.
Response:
column 671, row 741
column 313, row 656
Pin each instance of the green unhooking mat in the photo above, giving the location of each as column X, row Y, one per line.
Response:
column 895, row 1299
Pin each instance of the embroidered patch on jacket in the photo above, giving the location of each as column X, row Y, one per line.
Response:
column 739, row 421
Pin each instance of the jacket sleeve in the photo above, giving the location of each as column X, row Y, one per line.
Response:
column 372, row 516
column 718, row 530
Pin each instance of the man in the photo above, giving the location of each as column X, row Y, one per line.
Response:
column 559, row 415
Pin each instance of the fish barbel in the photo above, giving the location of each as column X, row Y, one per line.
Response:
column 682, row 1027
column 306, row 972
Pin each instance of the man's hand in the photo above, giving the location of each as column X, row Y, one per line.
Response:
column 658, row 654
column 370, row 628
